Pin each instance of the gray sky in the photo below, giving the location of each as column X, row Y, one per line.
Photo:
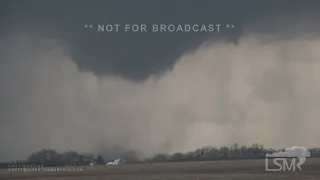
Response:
column 154, row 52
column 65, row 87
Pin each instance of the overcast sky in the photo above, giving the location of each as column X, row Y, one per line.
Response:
column 67, row 87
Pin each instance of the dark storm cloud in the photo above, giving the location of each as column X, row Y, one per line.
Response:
column 145, row 53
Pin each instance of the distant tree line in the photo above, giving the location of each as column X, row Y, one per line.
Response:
column 235, row 152
column 49, row 157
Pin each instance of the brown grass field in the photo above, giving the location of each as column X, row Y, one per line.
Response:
column 205, row 170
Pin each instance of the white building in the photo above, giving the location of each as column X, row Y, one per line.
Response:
column 117, row 161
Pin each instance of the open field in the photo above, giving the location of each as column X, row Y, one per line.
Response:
column 217, row 170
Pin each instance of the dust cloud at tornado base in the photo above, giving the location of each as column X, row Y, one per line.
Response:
column 261, row 90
